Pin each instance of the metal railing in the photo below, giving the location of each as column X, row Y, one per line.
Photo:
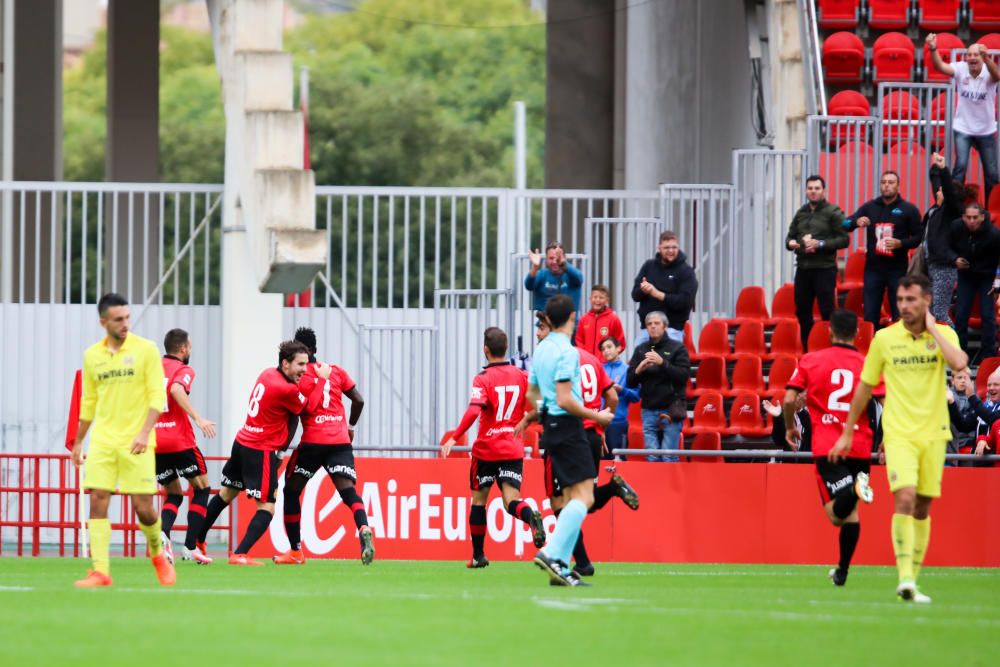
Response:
column 812, row 56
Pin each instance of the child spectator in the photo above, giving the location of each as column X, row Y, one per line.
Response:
column 599, row 323
column 616, row 435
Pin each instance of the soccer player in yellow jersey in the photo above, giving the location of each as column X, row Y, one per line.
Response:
column 124, row 392
column 911, row 355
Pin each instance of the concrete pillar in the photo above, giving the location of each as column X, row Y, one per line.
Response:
column 580, row 82
column 133, row 146
column 36, row 147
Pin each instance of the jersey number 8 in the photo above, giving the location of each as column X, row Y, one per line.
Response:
column 255, row 396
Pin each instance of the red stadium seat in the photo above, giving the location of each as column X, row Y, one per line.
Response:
column 986, row 367
column 783, row 304
column 709, row 414
column 835, row 14
column 636, row 440
column 530, row 438
column 850, row 171
column 855, row 302
column 939, row 114
column 843, row 58
column 863, row 339
column 779, row 374
column 984, row 14
column 703, row 441
column 994, row 205
column 893, row 57
column 749, row 340
column 888, row 14
column 786, row 339
column 934, row 15
column 747, row 376
column 990, row 40
column 945, row 43
column 751, row 304
column 899, row 105
column 689, row 341
column 819, row 336
column 714, row 339
column 849, row 103
column 635, row 414
column 745, row 417
column 710, row 376
column 854, row 272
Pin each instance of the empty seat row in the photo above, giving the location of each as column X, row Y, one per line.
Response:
column 980, row 15
column 747, row 376
column 893, row 58
column 745, row 416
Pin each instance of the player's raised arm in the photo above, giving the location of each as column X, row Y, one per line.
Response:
column 953, row 355
column 180, row 395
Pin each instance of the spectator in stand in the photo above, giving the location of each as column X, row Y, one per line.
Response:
column 665, row 284
column 616, row 435
column 815, row 235
column 892, row 230
column 949, row 197
column 984, row 413
column 802, row 423
column 558, row 277
column 599, row 322
column 963, row 417
column 662, row 366
column 975, row 123
column 976, row 244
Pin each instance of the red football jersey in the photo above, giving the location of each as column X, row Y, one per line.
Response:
column 325, row 423
column 594, row 381
column 273, row 401
column 173, row 428
column 500, row 390
column 829, row 378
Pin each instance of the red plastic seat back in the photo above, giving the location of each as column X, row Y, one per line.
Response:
column 986, row 367
column 863, row 339
column 714, row 338
column 991, row 40
column 786, row 338
column 893, row 55
column 819, row 336
column 744, row 414
column 747, row 375
column 843, row 57
column 945, row 43
column 849, row 103
column 711, row 375
column 888, row 14
column 984, row 14
column 780, row 373
column 709, row 412
column 783, row 305
column 938, row 14
column 750, row 338
column 751, row 303
column 705, row 441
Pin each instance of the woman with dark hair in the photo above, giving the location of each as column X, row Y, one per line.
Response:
column 937, row 248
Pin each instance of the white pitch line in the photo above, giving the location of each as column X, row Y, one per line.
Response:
column 15, row 589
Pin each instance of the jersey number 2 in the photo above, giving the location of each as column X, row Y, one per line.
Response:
column 507, row 398
column 845, row 380
column 255, row 396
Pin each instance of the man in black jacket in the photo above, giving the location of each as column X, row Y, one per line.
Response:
column 666, row 284
column 816, row 234
column 893, row 228
column 662, row 367
column 976, row 244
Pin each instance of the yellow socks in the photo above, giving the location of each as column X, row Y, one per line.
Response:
column 902, row 544
column 100, row 544
column 153, row 538
column 921, row 536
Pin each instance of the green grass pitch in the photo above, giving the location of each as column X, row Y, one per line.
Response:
column 440, row 613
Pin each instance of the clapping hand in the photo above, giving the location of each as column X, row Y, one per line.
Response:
column 645, row 286
column 937, row 160
column 536, row 257
column 931, row 41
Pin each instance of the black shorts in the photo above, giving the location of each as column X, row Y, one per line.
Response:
column 569, row 458
column 596, row 443
column 336, row 460
column 252, row 471
column 833, row 478
column 482, row 473
column 186, row 463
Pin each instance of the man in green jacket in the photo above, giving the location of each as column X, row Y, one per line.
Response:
column 815, row 235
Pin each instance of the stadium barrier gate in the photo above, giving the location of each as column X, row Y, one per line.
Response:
column 40, row 508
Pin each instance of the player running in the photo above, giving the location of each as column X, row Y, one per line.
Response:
column 829, row 377
column 596, row 386
column 326, row 444
column 177, row 454
column 911, row 355
column 122, row 397
column 499, row 393
column 555, row 380
column 253, row 464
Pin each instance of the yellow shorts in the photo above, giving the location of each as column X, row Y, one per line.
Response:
column 918, row 463
column 118, row 469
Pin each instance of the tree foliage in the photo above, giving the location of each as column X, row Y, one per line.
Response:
column 415, row 93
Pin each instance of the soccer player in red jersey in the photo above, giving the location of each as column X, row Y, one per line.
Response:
column 498, row 398
column 253, row 464
column 829, row 378
column 326, row 444
column 177, row 454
